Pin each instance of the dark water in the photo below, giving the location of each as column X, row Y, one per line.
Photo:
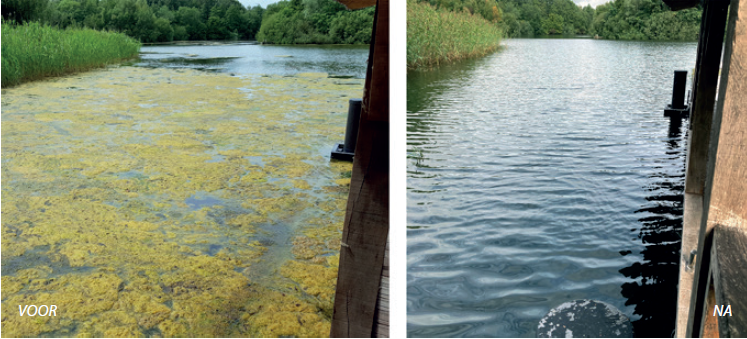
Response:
column 250, row 58
column 541, row 174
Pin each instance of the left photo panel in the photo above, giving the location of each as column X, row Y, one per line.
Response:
column 195, row 168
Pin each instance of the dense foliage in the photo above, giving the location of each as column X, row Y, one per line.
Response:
column 545, row 17
column 315, row 21
column 449, row 33
column 645, row 20
column 58, row 51
column 148, row 21
column 286, row 22
column 618, row 19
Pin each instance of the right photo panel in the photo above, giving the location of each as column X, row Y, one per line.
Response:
column 575, row 168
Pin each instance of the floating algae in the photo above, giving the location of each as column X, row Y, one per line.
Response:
column 172, row 203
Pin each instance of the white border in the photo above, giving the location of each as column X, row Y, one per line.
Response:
column 397, row 169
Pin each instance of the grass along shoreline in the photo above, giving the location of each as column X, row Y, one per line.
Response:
column 438, row 36
column 33, row 51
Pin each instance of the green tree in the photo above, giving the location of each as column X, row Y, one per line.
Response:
column 314, row 21
column 71, row 12
column 165, row 13
column 162, row 31
column 253, row 19
column 23, row 10
column 353, row 28
column 180, row 33
column 235, row 21
column 553, row 24
column 190, row 18
column 123, row 17
column 217, row 29
column 145, row 27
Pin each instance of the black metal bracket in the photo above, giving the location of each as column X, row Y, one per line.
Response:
column 346, row 151
column 339, row 153
column 677, row 113
column 678, row 109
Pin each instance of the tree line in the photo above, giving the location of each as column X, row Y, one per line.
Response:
column 315, row 22
column 645, row 20
column 285, row 22
column 618, row 19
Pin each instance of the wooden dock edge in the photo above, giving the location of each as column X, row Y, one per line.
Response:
column 716, row 178
column 361, row 296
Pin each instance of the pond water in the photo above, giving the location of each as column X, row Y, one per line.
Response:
column 171, row 201
column 541, row 174
column 251, row 58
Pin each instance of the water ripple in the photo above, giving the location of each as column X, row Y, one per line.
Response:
column 530, row 183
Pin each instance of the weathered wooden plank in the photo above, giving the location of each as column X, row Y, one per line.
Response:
column 366, row 229
column 381, row 328
column 710, row 322
column 729, row 194
column 690, row 230
column 700, row 166
column 730, row 279
column 727, row 200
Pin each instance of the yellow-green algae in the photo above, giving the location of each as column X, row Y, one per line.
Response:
column 173, row 203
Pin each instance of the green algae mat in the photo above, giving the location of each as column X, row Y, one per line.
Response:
column 171, row 203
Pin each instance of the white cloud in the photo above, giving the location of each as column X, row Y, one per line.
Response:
column 593, row 3
column 263, row 3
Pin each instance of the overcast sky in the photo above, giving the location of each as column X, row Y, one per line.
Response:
column 264, row 3
column 593, row 3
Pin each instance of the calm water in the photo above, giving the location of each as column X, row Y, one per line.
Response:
column 250, row 58
column 541, row 174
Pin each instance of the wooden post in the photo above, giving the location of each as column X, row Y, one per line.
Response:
column 366, row 227
column 704, row 92
column 678, row 89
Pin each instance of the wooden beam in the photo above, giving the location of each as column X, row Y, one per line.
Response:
column 690, row 231
column 366, row 229
column 677, row 5
column 357, row 4
column 728, row 198
column 704, row 93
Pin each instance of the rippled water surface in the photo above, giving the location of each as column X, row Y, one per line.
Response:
column 249, row 57
column 540, row 174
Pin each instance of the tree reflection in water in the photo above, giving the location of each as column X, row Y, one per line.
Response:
column 655, row 293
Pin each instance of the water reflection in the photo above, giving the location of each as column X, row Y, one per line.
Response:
column 243, row 58
column 654, row 293
column 525, row 171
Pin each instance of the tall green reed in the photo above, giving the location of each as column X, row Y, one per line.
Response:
column 32, row 51
column 437, row 36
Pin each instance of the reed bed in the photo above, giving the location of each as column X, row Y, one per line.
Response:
column 437, row 36
column 32, row 51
